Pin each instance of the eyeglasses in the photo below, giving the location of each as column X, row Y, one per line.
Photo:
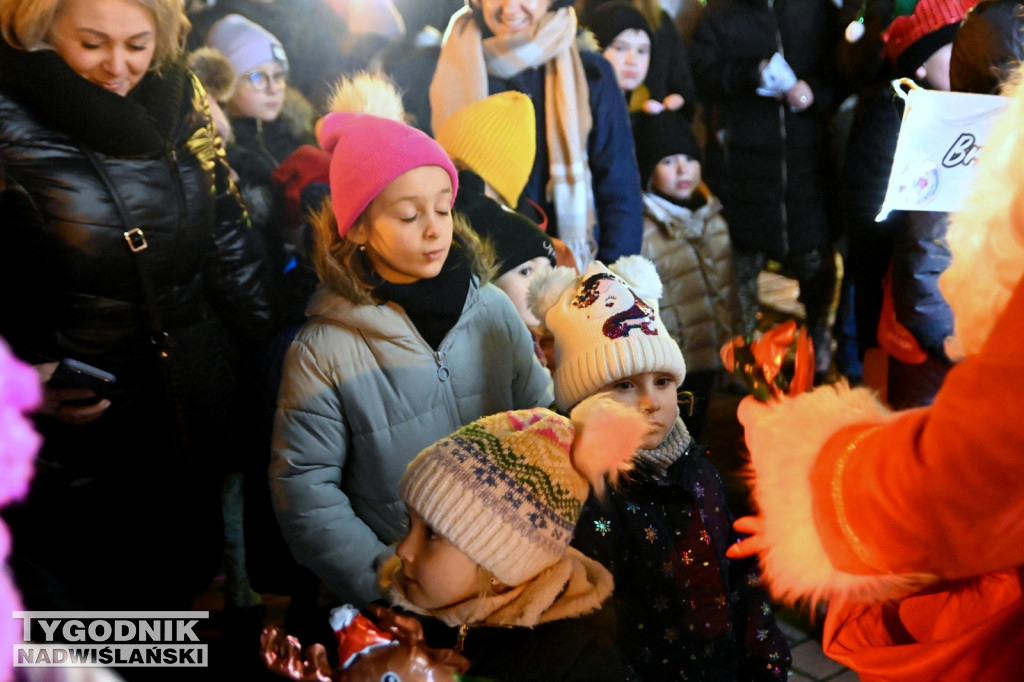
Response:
column 260, row 80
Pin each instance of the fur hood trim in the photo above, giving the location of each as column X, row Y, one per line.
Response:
column 796, row 565
column 572, row 587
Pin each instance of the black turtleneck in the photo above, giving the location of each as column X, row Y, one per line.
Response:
column 434, row 305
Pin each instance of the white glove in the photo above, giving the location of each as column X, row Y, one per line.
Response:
column 777, row 77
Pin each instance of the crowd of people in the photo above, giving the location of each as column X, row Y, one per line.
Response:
column 360, row 286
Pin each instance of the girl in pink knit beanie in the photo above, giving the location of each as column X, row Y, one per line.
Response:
column 405, row 341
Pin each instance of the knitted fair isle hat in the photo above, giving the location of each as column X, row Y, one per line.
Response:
column 367, row 153
column 508, row 489
column 496, row 138
column 659, row 135
column 610, row 19
column 911, row 39
column 606, row 326
column 245, row 43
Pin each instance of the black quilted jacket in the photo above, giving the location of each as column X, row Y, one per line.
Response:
column 69, row 282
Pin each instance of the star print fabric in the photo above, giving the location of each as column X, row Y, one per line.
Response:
column 685, row 611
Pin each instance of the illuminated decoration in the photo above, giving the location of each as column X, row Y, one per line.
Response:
column 779, row 363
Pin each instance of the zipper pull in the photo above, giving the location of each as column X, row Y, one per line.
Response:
column 460, row 643
column 443, row 373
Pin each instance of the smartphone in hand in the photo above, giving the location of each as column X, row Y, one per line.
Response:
column 71, row 373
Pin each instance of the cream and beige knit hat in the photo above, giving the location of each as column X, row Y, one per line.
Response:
column 606, row 326
column 496, row 138
column 508, row 489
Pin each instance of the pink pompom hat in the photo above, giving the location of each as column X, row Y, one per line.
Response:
column 367, row 154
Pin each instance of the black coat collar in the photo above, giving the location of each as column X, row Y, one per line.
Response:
column 138, row 124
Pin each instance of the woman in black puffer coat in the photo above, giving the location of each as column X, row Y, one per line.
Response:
column 122, row 513
column 768, row 159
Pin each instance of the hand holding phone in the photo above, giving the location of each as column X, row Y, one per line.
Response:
column 71, row 373
column 75, row 389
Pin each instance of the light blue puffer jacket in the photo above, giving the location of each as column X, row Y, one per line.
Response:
column 362, row 394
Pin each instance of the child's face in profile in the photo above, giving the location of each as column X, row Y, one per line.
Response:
column 630, row 56
column 259, row 93
column 516, row 282
column 654, row 394
column 435, row 573
column 677, row 176
column 935, row 70
column 407, row 228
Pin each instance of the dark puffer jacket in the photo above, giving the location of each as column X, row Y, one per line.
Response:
column 70, row 288
column 770, row 166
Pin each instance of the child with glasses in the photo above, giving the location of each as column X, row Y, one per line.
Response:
column 268, row 121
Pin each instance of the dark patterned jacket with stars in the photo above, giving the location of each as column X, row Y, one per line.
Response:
column 685, row 611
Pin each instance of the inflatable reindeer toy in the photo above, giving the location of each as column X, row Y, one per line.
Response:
column 392, row 651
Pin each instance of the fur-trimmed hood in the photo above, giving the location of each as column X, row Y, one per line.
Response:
column 572, row 587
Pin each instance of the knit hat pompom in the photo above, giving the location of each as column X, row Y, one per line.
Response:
column 214, row 71
column 367, row 154
column 604, row 328
column 641, row 275
column 546, row 288
column 368, row 93
column 496, row 138
column 911, row 39
column 508, row 489
column 245, row 43
column 608, row 434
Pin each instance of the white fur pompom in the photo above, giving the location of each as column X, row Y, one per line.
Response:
column 608, row 434
column 546, row 288
column 368, row 93
column 640, row 274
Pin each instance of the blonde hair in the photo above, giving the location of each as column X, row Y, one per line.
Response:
column 26, row 25
column 340, row 269
column 986, row 237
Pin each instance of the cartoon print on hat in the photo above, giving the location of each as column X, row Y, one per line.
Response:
column 610, row 290
column 606, row 326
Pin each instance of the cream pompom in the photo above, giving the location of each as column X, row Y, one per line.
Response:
column 641, row 276
column 546, row 288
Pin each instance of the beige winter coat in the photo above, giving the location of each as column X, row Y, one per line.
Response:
column 693, row 255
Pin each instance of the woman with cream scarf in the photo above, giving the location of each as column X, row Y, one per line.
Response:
column 585, row 175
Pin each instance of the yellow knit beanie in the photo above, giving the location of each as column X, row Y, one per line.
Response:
column 496, row 138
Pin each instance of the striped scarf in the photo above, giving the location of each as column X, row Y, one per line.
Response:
column 466, row 60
